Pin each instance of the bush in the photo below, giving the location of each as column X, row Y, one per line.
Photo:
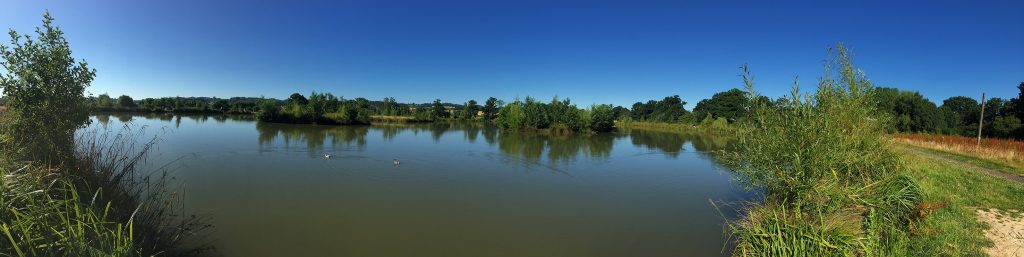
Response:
column 46, row 107
column 602, row 118
column 820, row 157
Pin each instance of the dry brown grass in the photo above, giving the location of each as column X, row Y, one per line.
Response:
column 1000, row 150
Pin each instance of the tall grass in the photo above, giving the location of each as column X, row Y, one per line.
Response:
column 103, row 205
column 1003, row 150
column 833, row 185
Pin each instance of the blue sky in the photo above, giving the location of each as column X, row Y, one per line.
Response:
column 615, row 52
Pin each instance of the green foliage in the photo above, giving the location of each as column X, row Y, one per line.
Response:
column 536, row 114
column 104, row 101
column 470, row 110
column 57, row 221
column 318, row 108
column 833, row 184
column 512, row 116
column 559, row 115
column 59, row 200
column 731, row 105
column 45, row 87
column 602, row 118
column 670, row 109
column 125, row 101
column 490, row 108
column 909, row 111
column 437, row 110
column 1005, row 126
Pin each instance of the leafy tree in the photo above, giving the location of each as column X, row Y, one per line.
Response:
column 909, row 110
column 268, row 110
column 670, row 109
column 490, row 108
column 298, row 99
column 125, row 101
column 221, row 105
column 1005, row 126
column 512, row 116
column 731, row 105
column 45, row 87
column 621, row 112
column 470, row 110
column 437, row 110
column 965, row 112
column 1019, row 107
column 104, row 100
column 602, row 118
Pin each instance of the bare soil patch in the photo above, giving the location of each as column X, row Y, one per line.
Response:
column 1006, row 231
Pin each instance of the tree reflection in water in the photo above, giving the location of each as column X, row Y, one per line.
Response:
column 530, row 148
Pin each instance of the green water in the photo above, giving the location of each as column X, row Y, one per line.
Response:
column 460, row 190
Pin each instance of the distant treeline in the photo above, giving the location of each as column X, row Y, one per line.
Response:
column 904, row 111
column 959, row 115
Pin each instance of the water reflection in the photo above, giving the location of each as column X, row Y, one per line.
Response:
column 314, row 137
column 526, row 146
column 556, row 148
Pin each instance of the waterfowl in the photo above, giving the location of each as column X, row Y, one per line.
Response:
column 396, row 162
column 327, row 156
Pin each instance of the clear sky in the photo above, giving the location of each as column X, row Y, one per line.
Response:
column 591, row 51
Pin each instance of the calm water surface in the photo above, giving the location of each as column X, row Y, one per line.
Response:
column 460, row 190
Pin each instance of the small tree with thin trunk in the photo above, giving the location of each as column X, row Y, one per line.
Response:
column 45, row 85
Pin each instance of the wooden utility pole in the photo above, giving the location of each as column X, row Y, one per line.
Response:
column 981, row 118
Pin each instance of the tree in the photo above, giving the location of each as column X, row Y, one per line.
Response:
column 1005, row 126
column 909, row 110
column 470, row 109
column 490, row 108
column 104, row 100
column 731, row 105
column 221, row 105
column 1019, row 107
column 45, row 87
column 298, row 99
column 125, row 101
column 602, row 118
column 437, row 110
column 965, row 112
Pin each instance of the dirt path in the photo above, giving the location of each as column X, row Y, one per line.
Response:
column 1005, row 231
column 992, row 172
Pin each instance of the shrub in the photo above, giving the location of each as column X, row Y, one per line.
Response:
column 822, row 157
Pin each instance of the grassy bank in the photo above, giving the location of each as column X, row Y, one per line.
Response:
column 952, row 194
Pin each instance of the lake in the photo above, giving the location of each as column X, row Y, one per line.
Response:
column 461, row 189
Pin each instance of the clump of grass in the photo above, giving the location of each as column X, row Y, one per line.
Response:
column 833, row 186
column 103, row 205
column 56, row 220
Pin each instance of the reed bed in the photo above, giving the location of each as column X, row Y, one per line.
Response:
column 1003, row 150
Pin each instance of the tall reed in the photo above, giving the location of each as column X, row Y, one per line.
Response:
column 833, row 186
column 102, row 205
